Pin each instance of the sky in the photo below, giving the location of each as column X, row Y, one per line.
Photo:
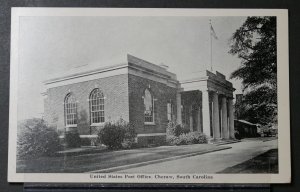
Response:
column 53, row 45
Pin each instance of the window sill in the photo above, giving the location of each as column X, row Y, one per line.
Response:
column 88, row 136
column 70, row 126
column 149, row 123
column 97, row 124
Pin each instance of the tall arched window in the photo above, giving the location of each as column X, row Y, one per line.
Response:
column 70, row 110
column 149, row 107
column 97, row 106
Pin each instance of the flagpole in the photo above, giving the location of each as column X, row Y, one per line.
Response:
column 211, row 68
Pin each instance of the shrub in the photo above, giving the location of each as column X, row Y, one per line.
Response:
column 118, row 135
column 89, row 141
column 187, row 139
column 180, row 135
column 36, row 139
column 112, row 136
column 196, row 138
column 72, row 139
column 85, row 141
column 172, row 140
column 179, row 130
column 237, row 134
column 128, row 144
column 176, row 129
column 170, row 128
column 94, row 141
column 130, row 135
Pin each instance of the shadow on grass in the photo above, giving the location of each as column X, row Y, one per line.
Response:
column 264, row 163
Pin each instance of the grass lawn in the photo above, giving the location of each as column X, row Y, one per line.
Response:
column 107, row 159
column 264, row 163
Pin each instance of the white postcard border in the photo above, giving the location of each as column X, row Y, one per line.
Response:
column 284, row 160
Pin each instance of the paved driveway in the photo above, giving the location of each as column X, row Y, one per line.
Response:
column 210, row 162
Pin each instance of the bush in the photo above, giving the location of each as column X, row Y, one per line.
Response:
column 187, row 139
column 176, row 129
column 72, row 139
column 179, row 130
column 180, row 135
column 172, row 140
column 85, row 142
column 118, row 135
column 130, row 135
column 128, row 144
column 36, row 139
column 94, row 141
column 170, row 128
column 237, row 135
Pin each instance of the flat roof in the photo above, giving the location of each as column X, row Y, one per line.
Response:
column 207, row 75
column 131, row 61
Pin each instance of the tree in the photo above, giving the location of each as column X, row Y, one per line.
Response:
column 255, row 44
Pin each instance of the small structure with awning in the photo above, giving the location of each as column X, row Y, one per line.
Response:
column 245, row 129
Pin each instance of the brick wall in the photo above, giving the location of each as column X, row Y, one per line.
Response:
column 123, row 99
column 162, row 95
column 115, row 90
column 152, row 141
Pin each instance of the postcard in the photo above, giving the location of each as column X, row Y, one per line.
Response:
column 107, row 95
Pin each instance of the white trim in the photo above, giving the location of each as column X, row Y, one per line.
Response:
column 149, row 123
column 153, row 76
column 71, row 126
column 150, row 134
column 153, row 109
column 88, row 136
column 81, row 136
column 131, row 61
column 157, row 69
column 138, row 135
column 87, row 77
column 98, row 124
column 109, row 73
column 133, row 65
column 84, row 73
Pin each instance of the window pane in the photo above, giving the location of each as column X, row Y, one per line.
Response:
column 70, row 110
column 148, row 104
column 97, row 106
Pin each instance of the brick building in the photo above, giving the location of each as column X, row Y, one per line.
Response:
column 141, row 92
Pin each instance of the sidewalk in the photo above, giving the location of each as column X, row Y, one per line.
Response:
column 212, row 162
column 109, row 161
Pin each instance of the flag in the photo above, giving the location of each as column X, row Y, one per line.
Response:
column 212, row 32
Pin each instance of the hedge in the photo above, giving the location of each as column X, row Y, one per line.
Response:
column 187, row 139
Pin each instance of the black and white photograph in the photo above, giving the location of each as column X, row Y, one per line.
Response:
column 149, row 96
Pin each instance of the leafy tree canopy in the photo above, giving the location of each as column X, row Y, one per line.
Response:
column 255, row 44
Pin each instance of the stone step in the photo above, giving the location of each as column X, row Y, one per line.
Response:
column 224, row 142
